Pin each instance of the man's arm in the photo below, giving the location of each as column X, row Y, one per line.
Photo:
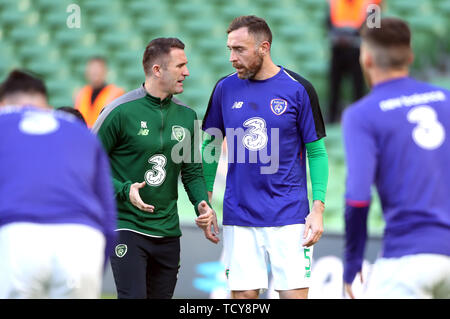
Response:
column 311, row 127
column 126, row 191
column 109, row 134
column 318, row 170
column 210, row 160
column 355, row 241
column 361, row 152
column 195, row 186
column 211, row 147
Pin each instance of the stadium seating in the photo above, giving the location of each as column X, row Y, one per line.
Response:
column 110, row 26
column 35, row 35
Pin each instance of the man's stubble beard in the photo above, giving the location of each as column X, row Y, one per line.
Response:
column 252, row 69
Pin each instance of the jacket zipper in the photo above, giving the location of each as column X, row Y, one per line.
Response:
column 162, row 127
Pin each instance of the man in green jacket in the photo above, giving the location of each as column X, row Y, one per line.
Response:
column 139, row 131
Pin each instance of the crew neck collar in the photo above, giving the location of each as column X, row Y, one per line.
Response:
column 390, row 81
column 277, row 75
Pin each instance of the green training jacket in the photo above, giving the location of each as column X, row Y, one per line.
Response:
column 138, row 132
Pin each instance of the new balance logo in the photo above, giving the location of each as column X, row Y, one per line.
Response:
column 237, row 105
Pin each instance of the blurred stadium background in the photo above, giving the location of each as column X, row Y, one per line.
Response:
column 34, row 35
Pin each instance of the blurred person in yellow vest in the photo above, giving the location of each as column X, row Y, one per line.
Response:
column 93, row 97
column 344, row 21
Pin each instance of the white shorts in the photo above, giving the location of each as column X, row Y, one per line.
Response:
column 249, row 253
column 420, row 276
column 50, row 261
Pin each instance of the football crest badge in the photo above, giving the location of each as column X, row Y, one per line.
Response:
column 178, row 133
column 278, row 106
column 121, row 250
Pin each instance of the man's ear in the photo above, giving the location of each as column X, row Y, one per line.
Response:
column 156, row 70
column 264, row 48
column 366, row 58
column 411, row 58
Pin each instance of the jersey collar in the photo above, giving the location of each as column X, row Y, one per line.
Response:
column 156, row 100
column 390, row 81
column 276, row 76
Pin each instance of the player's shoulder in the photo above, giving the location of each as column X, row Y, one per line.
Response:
column 119, row 105
column 434, row 88
column 125, row 100
column 298, row 82
column 366, row 111
column 183, row 107
column 359, row 107
column 229, row 81
column 42, row 122
column 72, row 126
column 8, row 111
column 10, row 116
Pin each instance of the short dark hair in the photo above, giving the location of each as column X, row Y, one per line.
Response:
column 73, row 111
column 256, row 26
column 157, row 48
column 19, row 81
column 391, row 42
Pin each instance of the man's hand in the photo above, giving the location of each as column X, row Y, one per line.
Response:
column 314, row 222
column 136, row 199
column 348, row 287
column 207, row 218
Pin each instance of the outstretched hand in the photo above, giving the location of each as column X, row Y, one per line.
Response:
column 136, row 199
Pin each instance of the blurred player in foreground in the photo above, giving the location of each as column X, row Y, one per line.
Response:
column 397, row 138
column 139, row 130
column 57, row 209
column 266, row 109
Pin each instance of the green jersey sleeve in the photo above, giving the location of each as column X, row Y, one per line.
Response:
column 210, row 160
column 318, row 168
column 109, row 135
column 193, row 179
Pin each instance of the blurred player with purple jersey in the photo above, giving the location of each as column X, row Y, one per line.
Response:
column 271, row 119
column 57, row 208
column 396, row 138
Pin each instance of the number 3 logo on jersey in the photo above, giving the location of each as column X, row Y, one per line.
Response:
column 429, row 132
column 157, row 174
column 256, row 134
